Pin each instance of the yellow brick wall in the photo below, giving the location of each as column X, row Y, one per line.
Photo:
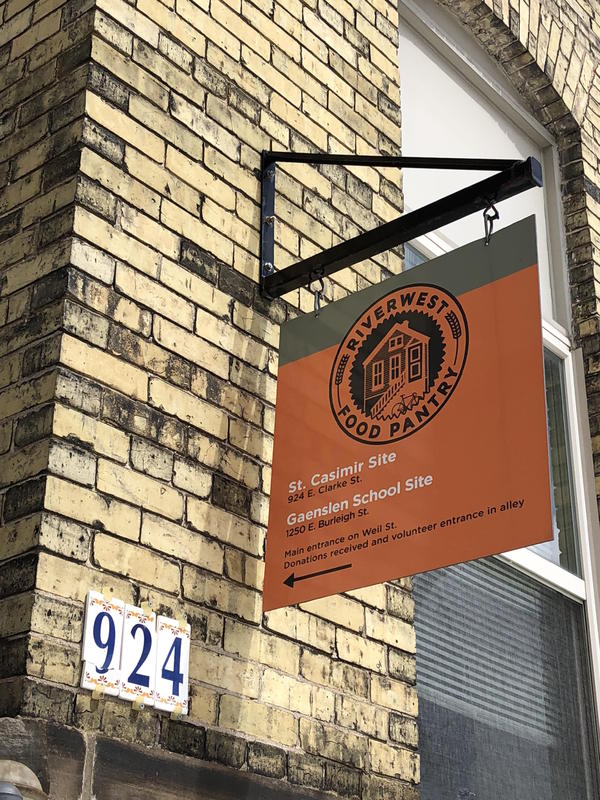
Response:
column 160, row 376
column 43, row 75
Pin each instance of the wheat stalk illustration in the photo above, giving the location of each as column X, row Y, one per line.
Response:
column 455, row 329
column 340, row 374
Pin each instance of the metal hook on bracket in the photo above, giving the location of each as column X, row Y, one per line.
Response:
column 317, row 276
column 489, row 215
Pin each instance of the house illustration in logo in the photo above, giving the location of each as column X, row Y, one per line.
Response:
column 396, row 373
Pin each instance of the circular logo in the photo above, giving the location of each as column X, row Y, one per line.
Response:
column 398, row 364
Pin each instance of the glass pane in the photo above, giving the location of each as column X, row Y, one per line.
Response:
column 505, row 707
column 412, row 257
column 564, row 550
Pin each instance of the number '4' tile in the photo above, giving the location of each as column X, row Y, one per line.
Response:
column 172, row 665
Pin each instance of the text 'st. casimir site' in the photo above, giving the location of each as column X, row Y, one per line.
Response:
column 410, row 428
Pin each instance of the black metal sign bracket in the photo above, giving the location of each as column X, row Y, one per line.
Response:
column 512, row 178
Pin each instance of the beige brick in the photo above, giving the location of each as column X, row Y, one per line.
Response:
column 298, row 121
column 334, row 743
column 146, row 457
column 20, row 192
column 251, row 440
column 152, row 294
column 231, row 225
column 125, row 127
column 214, row 329
column 192, row 478
column 204, row 704
column 85, row 324
column 236, row 174
column 210, row 28
column 149, row 357
column 101, row 298
column 29, row 270
column 119, row 182
column 36, row 33
column 221, row 594
column 5, row 427
column 322, row 670
column 390, row 630
column 72, row 463
column 65, row 537
column 330, row 37
column 87, row 506
column 19, row 537
column 19, row 23
column 371, row 595
column 195, row 288
column 117, row 243
column 103, row 367
column 129, row 72
column 131, row 19
column 136, row 562
column 28, row 394
column 383, row 63
column 394, row 695
column 339, row 610
column 139, row 489
column 255, row 645
column 177, row 27
column 360, row 716
column 10, row 371
column 271, row 76
column 92, row 261
column 224, row 526
column 186, row 225
column 303, row 627
column 188, row 408
column 191, row 347
column 183, row 136
column 314, row 66
column 255, row 324
column 204, row 182
column 255, row 719
column 301, row 77
column 113, row 33
column 224, row 672
column 17, row 248
column 396, row 761
column 181, row 543
column 359, row 651
column 323, row 704
column 285, row 692
column 15, row 614
column 257, row 37
column 160, row 179
column 277, row 34
column 241, row 404
column 24, row 463
column 74, row 581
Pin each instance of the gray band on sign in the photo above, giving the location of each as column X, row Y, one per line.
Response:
column 462, row 270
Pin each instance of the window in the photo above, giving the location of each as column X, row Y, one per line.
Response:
column 415, row 367
column 503, row 711
column 395, row 367
column 506, row 701
column 377, row 374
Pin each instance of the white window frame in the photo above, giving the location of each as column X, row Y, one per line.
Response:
column 431, row 21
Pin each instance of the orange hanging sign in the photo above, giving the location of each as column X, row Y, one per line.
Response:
column 410, row 428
